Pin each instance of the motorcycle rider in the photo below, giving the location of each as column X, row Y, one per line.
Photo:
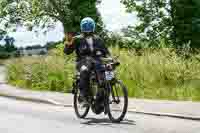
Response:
column 87, row 44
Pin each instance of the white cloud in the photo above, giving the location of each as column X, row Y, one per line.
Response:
column 115, row 16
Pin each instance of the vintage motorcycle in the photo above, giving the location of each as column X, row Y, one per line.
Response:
column 107, row 89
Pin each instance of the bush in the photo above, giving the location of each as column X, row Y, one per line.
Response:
column 4, row 55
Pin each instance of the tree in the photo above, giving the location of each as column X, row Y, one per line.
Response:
column 155, row 20
column 176, row 21
column 187, row 20
column 47, row 12
column 9, row 44
column 195, row 24
column 7, row 49
column 2, row 34
column 182, row 16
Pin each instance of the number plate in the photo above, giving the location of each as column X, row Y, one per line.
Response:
column 109, row 75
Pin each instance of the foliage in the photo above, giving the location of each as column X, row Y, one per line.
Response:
column 2, row 34
column 174, row 21
column 7, row 50
column 155, row 21
column 186, row 22
column 115, row 39
column 45, row 13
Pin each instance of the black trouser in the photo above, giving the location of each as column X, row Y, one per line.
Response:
column 85, row 67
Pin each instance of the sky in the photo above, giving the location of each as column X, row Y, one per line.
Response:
column 113, row 15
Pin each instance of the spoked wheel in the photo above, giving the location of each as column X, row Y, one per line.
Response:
column 118, row 102
column 81, row 112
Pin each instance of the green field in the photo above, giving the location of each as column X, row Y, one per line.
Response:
column 154, row 74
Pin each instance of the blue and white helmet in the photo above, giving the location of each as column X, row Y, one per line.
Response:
column 87, row 25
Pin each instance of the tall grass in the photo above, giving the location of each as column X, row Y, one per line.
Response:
column 41, row 73
column 160, row 74
column 154, row 74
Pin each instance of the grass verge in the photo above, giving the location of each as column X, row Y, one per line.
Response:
column 154, row 74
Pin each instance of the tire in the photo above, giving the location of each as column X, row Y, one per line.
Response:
column 76, row 108
column 125, row 102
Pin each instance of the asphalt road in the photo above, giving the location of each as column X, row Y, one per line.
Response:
column 27, row 117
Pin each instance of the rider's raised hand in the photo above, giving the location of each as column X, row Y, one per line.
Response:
column 69, row 39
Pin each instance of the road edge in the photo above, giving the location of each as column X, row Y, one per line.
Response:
column 165, row 114
column 35, row 100
column 52, row 102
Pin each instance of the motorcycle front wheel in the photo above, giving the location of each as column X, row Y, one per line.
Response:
column 118, row 102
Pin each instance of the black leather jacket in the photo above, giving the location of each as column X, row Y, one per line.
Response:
column 81, row 47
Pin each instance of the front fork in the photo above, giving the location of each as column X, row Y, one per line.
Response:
column 108, row 90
